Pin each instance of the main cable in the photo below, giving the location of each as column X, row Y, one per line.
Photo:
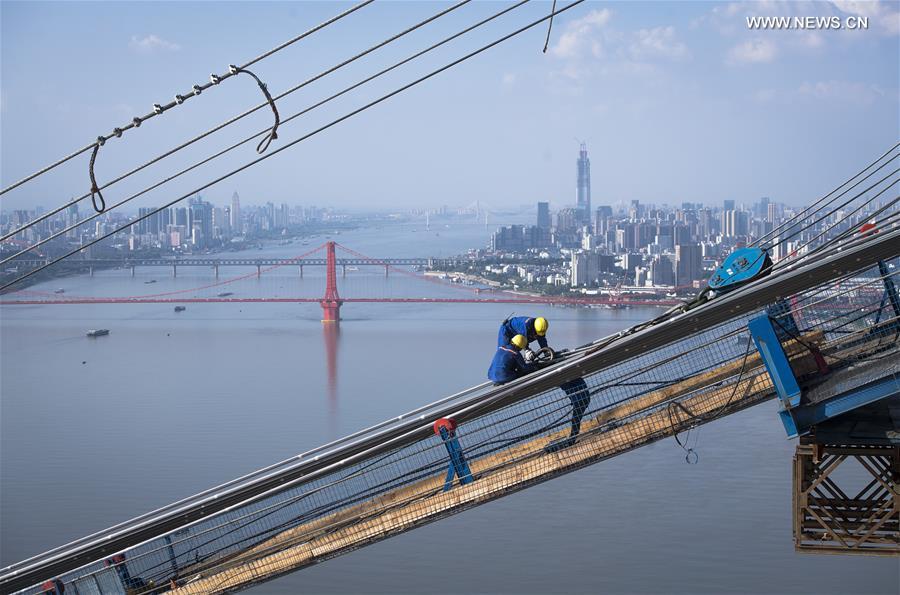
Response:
column 239, row 117
column 242, row 142
column 179, row 99
column 301, row 139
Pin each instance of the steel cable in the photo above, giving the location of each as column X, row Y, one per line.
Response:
column 239, row 143
column 235, row 119
column 179, row 99
column 301, row 139
column 816, row 205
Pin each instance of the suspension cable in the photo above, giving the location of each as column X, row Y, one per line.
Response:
column 242, row 142
column 816, row 206
column 179, row 99
column 240, row 116
column 303, row 138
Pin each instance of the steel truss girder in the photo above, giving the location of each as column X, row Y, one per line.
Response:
column 826, row 520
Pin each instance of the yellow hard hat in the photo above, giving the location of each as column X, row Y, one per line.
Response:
column 540, row 326
column 520, row 341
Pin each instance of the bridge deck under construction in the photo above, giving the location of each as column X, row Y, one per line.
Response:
column 658, row 381
column 614, row 431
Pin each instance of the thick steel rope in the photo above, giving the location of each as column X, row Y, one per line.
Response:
column 179, row 99
column 299, row 140
column 248, row 139
column 238, row 117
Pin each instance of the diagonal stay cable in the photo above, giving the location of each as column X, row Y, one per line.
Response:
column 850, row 200
column 793, row 262
column 250, row 138
column 346, row 116
column 246, row 113
column 854, row 228
column 816, row 206
column 179, row 99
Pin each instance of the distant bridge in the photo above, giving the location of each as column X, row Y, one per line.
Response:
column 238, row 262
column 331, row 301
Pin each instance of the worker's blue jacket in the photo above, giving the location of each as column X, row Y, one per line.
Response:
column 520, row 325
column 508, row 364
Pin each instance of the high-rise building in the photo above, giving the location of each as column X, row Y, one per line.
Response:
column 634, row 212
column 543, row 215
column 688, row 263
column 510, row 238
column 661, row 272
column 735, row 224
column 236, row 213
column 727, row 205
column 200, row 222
column 583, row 186
column 585, row 268
column 601, row 219
column 631, row 261
column 763, row 207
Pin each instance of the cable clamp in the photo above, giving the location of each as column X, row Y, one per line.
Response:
column 214, row 78
column 157, row 108
column 118, row 132
column 197, row 89
column 179, row 99
column 136, row 121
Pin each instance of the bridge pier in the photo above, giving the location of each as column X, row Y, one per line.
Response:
column 258, row 271
column 343, row 270
column 132, row 270
column 216, row 267
column 386, row 269
column 174, row 270
column 301, row 271
column 91, row 271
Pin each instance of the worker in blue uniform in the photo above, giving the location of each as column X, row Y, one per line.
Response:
column 508, row 363
column 533, row 329
column 580, row 397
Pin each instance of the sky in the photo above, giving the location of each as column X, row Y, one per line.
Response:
column 677, row 101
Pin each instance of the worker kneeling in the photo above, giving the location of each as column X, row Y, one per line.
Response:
column 531, row 329
column 508, row 363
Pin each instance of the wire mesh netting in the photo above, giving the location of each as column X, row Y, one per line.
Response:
column 373, row 495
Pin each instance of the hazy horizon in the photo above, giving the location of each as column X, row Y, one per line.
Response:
column 678, row 102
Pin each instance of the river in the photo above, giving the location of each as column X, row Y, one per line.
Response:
column 95, row 431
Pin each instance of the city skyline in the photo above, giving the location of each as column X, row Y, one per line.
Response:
column 675, row 105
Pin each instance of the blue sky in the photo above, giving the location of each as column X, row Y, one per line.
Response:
column 678, row 101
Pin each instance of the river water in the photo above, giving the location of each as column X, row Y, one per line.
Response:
column 95, row 431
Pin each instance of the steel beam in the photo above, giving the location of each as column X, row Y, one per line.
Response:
column 830, row 516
